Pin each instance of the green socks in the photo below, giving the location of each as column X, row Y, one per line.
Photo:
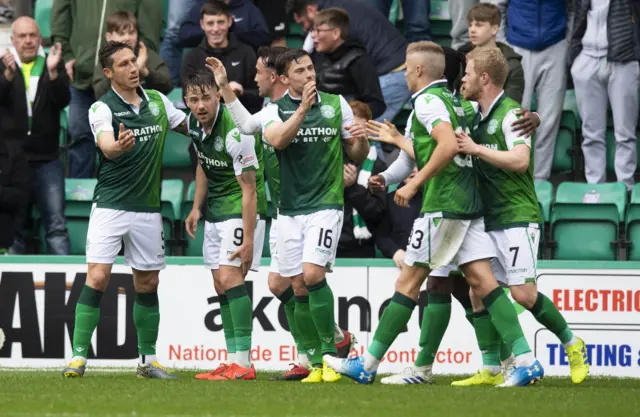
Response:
column 242, row 317
column 550, row 317
column 392, row 323
column 488, row 340
column 505, row 319
column 434, row 324
column 307, row 331
column 289, row 304
column 146, row 317
column 87, row 317
column 321, row 308
column 227, row 326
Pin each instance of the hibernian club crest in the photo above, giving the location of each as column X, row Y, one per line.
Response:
column 493, row 126
column 327, row 111
column 155, row 110
column 218, row 144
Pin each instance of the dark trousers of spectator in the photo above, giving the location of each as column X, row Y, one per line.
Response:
column 416, row 17
column 82, row 150
column 170, row 49
column 275, row 14
column 47, row 192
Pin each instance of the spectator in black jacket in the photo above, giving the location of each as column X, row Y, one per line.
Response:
column 14, row 189
column 342, row 65
column 363, row 210
column 239, row 59
column 154, row 73
column 34, row 89
column 249, row 24
column 383, row 42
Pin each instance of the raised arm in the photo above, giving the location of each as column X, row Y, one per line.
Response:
column 517, row 156
column 357, row 144
column 388, row 133
column 100, row 119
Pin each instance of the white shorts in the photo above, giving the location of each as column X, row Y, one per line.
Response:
column 443, row 271
column 222, row 239
column 517, row 254
column 141, row 233
column 308, row 238
column 437, row 242
column 273, row 247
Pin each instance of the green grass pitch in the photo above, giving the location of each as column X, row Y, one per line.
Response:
column 120, row 394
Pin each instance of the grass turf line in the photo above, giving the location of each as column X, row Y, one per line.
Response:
column 47, row 394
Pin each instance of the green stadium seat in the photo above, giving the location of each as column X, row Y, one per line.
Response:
column 176, row 151
column 42, row 15
column 78, row 203
column 544, row 192
column 632, row 225
column 563, row 156
column 193, row 247
column 585, row 221
column 170, row 207
column 175, row 96
column 440, row 28
column 294, row 42
column 296, row 29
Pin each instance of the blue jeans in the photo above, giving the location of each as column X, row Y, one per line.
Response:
column 416, row 17
column 82, row 151
column 170, row 50
column 47, row 191
column 395, row 93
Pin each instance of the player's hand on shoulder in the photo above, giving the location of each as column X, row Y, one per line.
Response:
column 357, row 131
column 527, row 122
column 377, row 183
column 383, row 132
column 126, row 139
column 219, row 72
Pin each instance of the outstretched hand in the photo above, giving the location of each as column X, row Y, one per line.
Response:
column 219, row 72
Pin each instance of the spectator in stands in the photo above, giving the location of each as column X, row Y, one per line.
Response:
column 238, row 58
column 14, row 186
column 604, row 66
column 382, row 41
column 484, row 23
column 342, row 65
column 416, row 17
column 154, row 73
column 249, row 25
column 537, row 32
column 274, row 12
column 393, row 232
column 34, row 89
column 363, row 210
column 459, row 10
column 74, row 24
column 170, row 49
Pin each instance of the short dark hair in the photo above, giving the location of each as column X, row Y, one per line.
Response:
column 121, row 22
column 485, row 12
column 286, row 58
column 335, row 18
column 298, row 6
column 108, row 50
column 202, row 80
column 214, row 8
column 269, row 55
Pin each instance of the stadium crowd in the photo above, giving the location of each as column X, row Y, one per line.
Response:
column 358, row 49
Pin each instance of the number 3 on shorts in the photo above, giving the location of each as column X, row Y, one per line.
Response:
column 415, row 239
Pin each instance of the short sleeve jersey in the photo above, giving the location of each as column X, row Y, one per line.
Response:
column 311, row 177
column 224, row 154
column 453, row 192
column 509, row 197
column 132, row 181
